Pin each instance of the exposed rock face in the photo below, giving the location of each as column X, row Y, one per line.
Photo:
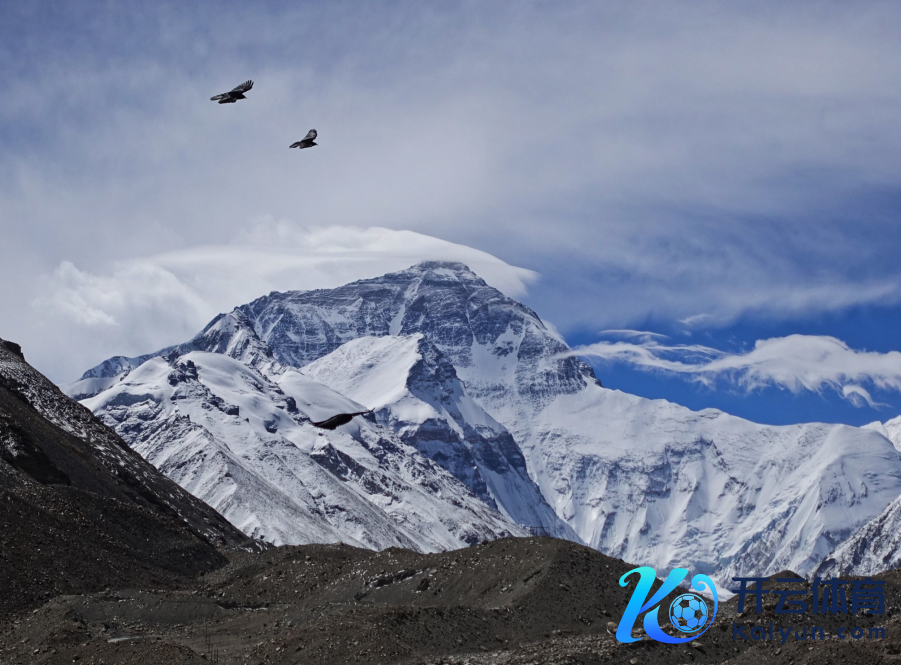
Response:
column 494, row 342
column 13, row 348
column 89, row 441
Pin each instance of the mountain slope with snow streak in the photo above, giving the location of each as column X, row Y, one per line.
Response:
column 97, row 460
column 873, row 548
column 244, row 444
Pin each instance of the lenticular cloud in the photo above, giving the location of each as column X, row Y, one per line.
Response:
column 153, row 301
column 796, row 362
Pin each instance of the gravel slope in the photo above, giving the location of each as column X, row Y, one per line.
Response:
column 512, row 601
column 80, row 511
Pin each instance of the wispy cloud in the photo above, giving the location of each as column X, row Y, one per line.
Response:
column 628, row 333
column 796, row 363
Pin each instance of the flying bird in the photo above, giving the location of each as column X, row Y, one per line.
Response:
column 340, row 419
column 306, row 141
column 234, row 95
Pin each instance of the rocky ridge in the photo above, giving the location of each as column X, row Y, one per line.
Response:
column 79, row 510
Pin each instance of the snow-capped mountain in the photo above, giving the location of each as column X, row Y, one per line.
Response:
column 663, row 483
column 243, row 442
column 644, row 480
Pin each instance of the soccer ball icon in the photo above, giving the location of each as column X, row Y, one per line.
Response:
column 688, row 613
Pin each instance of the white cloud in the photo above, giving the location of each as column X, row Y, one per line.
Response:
column 859, row 396
column 145, row 303
column 627, row 333
column 796, row 362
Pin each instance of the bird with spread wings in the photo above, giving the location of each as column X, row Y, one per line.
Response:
column 234, row 95
column 337, row 421
column 306, row 141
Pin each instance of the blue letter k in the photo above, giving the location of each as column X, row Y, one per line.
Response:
column 637, row 603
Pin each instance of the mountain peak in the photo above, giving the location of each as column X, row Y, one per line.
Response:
column 12, row 347
column 446, row 301
column 453, row 266
column 433, row 272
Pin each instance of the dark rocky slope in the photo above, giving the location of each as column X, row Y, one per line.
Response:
column 80, row 511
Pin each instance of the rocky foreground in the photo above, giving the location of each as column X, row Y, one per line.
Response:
column 532, row 600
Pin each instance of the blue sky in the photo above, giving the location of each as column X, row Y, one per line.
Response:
column 719, row 173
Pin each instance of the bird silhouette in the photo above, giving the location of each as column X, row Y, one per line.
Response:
column 234, row 95
column 338, row 420
column 306, row 141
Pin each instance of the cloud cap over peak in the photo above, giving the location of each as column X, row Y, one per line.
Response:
column 149, row 302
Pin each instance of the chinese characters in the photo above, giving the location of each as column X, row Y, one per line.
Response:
column 833, row 596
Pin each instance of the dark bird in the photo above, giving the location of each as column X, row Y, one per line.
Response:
column 306, row 141
column 234, row 95
column 337, row 421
